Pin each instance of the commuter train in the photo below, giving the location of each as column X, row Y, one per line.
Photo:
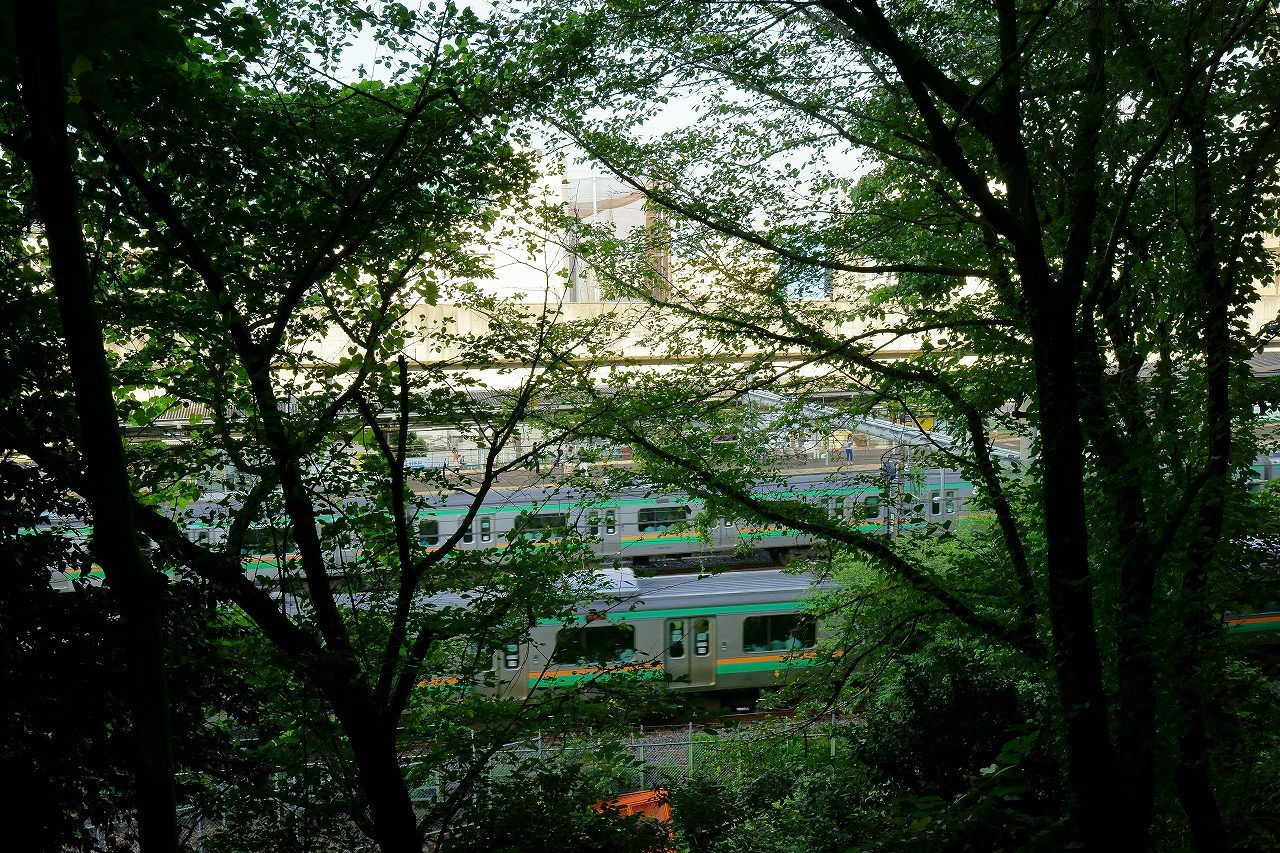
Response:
column 634, row 525
column 732, row 633
column 1257, row 621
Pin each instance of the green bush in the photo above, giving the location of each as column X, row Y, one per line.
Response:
column 561, row 807
column 950, row 757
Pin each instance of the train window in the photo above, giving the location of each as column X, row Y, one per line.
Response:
column 266, row 540
column 428, row 532
column 778, row 633
column 610, row 522
column 850, row 508
column 486, row 530
column 511, row 656
column 536, row 526
column 469, row 535
column 675, row 638
column 935, row 503
column 601, row 644
column 870, row 506
column 951, row 501
column 659, row 518
column 728, row 522
column 701, row 637
column 593, row 522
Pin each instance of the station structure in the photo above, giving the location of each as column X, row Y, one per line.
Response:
column 538, row 272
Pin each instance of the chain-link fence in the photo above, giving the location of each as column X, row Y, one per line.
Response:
column 668, row 756
column 648, row 758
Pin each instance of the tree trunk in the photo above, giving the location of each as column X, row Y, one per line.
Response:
column 1091, row 780
column 1135, row 709
column 373, row 744
column 1136, row 722
column 137, row 589
column 1195, row 788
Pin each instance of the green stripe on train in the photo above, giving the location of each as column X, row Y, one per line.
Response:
column 680, row 612
column 1254, row 626
column 581, row 678
column 763, row 666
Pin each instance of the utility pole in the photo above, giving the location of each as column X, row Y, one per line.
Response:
column 889, row 476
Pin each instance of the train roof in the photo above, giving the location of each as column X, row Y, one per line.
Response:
column 622, row 592
column 566, row 494
column 729, row 589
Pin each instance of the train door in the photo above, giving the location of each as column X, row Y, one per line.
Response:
column 690, row 656
column 603, row 524
column 509, row 671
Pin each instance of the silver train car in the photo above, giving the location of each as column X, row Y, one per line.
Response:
column 738, row 631
column 633, row 525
